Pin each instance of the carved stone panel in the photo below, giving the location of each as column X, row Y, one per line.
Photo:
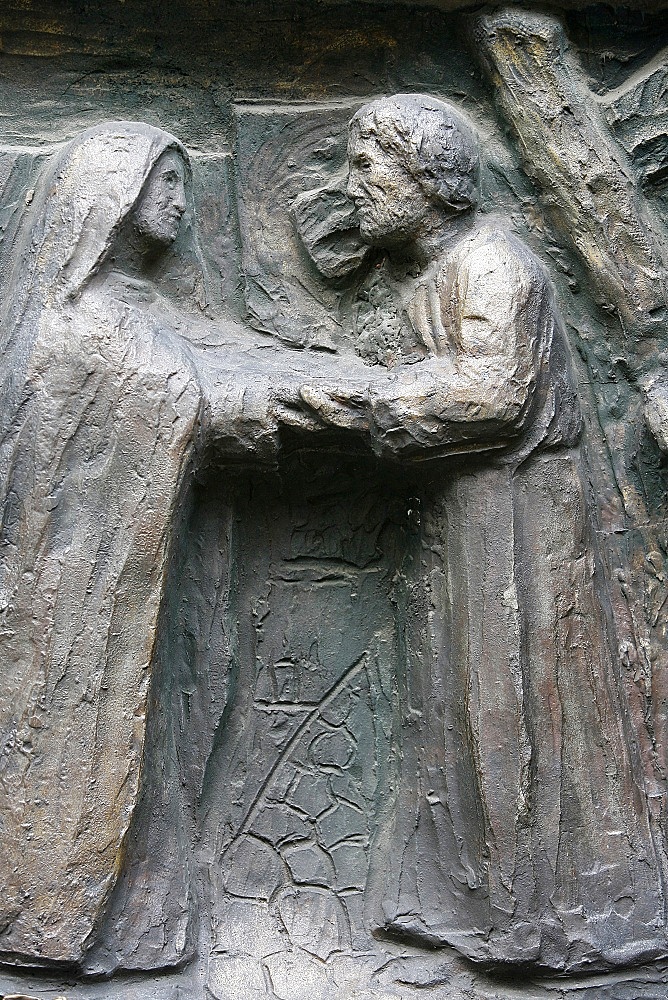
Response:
column 334, row 422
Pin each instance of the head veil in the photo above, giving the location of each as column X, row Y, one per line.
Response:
column 87, row 193
column 83, row 198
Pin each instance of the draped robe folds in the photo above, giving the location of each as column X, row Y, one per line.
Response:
column 521, row 831
column 99, row 450
column 109, row 396
column 102, row 410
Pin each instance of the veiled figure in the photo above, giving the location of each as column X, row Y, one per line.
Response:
column 112, row 397
column 101, row 411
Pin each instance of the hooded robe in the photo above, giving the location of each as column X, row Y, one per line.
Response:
column 100, row 413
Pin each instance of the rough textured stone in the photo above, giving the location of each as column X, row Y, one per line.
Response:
column 333, row 639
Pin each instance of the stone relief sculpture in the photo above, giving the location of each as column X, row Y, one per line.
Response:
column 332, row 636
column 101, row 411
column 104, row 408
column 531, row 813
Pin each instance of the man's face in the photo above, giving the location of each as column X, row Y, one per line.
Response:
column 160, row 209
column 390, row 202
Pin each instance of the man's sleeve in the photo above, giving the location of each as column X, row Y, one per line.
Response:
column 495, row 308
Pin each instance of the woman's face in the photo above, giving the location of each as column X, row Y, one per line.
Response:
column 158, row 213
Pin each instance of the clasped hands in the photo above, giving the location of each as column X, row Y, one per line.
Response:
column 315, row 406
column 376, row 404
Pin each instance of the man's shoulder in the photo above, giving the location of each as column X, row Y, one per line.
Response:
column 493, row 251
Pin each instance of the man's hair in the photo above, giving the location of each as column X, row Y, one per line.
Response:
column 431, row 139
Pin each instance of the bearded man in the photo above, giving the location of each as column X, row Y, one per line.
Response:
column 520, row 831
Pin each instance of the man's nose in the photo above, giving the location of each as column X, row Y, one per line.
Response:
column 352, row 185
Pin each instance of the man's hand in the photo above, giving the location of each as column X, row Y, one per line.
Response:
column 288, row 409
column 346, row 408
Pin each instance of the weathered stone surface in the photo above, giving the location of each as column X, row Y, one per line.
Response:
column 333, row 650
